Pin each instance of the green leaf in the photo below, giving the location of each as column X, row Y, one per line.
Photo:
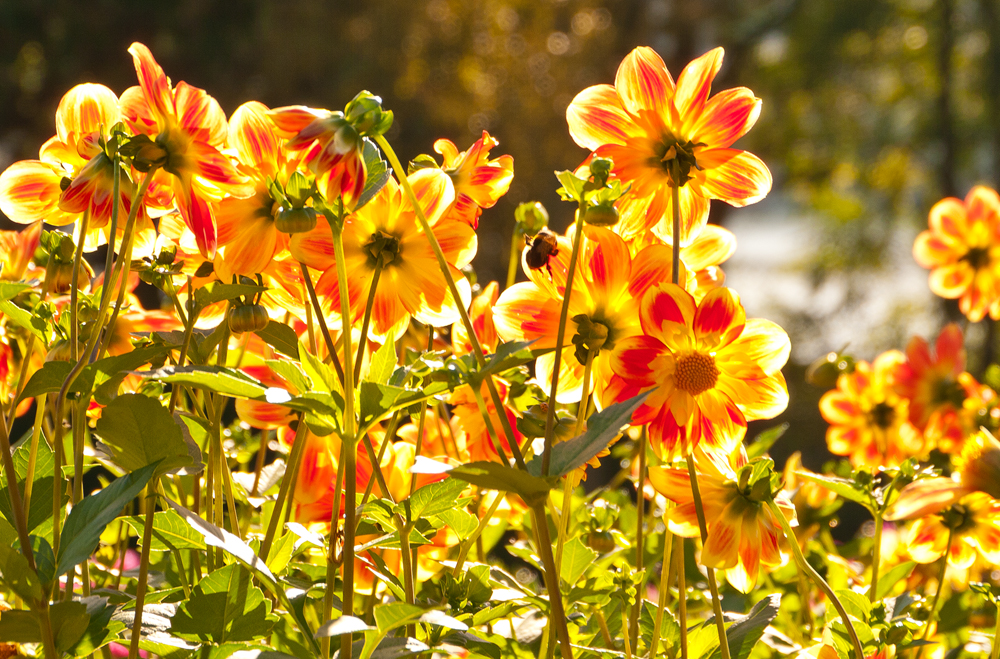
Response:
column 18, row 576
column 41, row 492
column 46, row 380
column 763, row 442
column 11, row 289
column 383, row 363
column 602, row 429
column 892, row 577
column 576, row 558
column 45, row 560
column 216, row 291
column 395, row 614
column 231, row 544
column 463, row 523
column 85, row 523
column 508, row 356
column 101, row 629
column 141, row 432
column 224, row 607
column 495, row 476
column 281, row 337
column 69, row 622
column 670, row 629
column 376, row 400
column 291, row 372
column 342, row 625
column 24, row 318
column 226, row 381
column 377, row 174
column 745, row 632
column 322, row 376
column 281, row 553
column 841, row 486
column 432, row 499
column 20, row 626
column 855, row 604
column 170, row 532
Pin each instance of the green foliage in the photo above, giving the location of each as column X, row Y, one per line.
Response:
column 141, row 432
column 224, row 607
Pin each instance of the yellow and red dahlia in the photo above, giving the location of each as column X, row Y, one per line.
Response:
column 602, row 309
column 189, row 131
column 479, row 181
column 972, row 525
column 743, row 533
column 962, row 250
column 481, row 315
column 653, row 130
column 869, row 420
column 707, row 367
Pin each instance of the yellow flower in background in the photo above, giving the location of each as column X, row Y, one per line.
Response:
column 973, row 526
column 479, row 181
column 869, row 420
column 962, row 250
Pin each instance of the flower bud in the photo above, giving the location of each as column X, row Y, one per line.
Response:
column 531, row 217
column 62, row 351
column 295, row 220
column 59, row 276
column 600, row 169
column 247, row 318
column 603, row 214
column 823, row 372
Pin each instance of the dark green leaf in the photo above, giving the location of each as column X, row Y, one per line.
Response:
column 602, row 429
column 86, row 522
column 216, row 291
column 226, row 381
column 377, row 400
column 281, row 337
column 17, row 575
column 745, row 632
column 495, row 476
column 170, row 532
column 224, row 607
column 69, row 622
column 101, row 629
column 46, row 380
column 41, row 492
column 763, row 442
column 20, row 627
column 140, row 432
column 45, row 560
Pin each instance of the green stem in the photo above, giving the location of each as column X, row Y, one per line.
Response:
column 682, row 597
column 390, row 433
column 557, row 612
column 491, row 432
column 351, row 446
column 36, row 433
column 185, row 346
column 463, row 551
column 859, row 652
column 640, row 518
column 48, row 636
column 995, row 654
column 294, row 458
column 876, row 557
column 259, row 465
column 937, row 591
column 550, row 416
column 116, row 202
column 140, row 592
column 421, row 424
column 515, row 253
column 661, row 604
column 16, row 505
column 331, row 556
column 720, row 622
column 368, row 317
column 477, row 348
column 321, row 319
column 675, row 272
column 74, row 290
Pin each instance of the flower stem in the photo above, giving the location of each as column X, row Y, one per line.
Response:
column 557, row 615
column 876, row 557
column 664, row 591
column 550, row 416
column 350, row 443
column 140, row 590
column 793, row 542
column 675, row 173
column 192, row 318
column 937, row 592
column 36, row 432
column 681, row 597
column 294, row 458
column 321, row 319
column 995, row 654
column 363, row 341
column 515, row 253
column 699, row 508
column 640, row 518
column 477, row 348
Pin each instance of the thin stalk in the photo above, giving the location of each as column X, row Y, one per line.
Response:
column 16, row 505
column 350, row 466
column 140, row 592
column 185, row 346
column 477, row 348
column 581, row 417
column 294, row 458
column 605, row 632
column 682, row 596
column 377, row 462
column 661, row 603
column 491, row 432
column 463, row 551
column 876, row 557
column 74, row 290
column 36, row 432
column 550, row 417
column 720, row 622
column 363, row 341
column 557, row 614
column 675, row 174
column 937, row 591
column 310, row 332
column 859, row 652
column 48, row 636
column 639, row 537
column 259, row 466
column 422, row 422
column 321, row 319
column 995, row 653
column 625, row 639
column 331, row 555
column 113, row 228
column 515, row 254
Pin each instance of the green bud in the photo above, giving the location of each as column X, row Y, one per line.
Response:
column 531, row 217
column 247, row 318
column 600, row 169
column 167, row 254
column 295, row 220
column 602, row 215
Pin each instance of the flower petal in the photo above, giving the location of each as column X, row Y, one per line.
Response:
column 720, row 318
column 694, row 85
column 154, row 82
column 736, row 177
column 726, row 117
column 29, row 191
column 252, row 134
column 596, row 117
column 666, row 310
column 86, row 109
column 434, row 192
column 643, row 83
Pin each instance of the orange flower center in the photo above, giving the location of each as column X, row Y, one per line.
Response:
column 695, row 373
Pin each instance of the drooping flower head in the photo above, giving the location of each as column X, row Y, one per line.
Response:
column 479, row 181
column 655, row 130
column 708, row 368
column 188, row 130
column 869, row 420
column 743, row 533
column 962, row 250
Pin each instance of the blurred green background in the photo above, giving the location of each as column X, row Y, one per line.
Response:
column 873, row 110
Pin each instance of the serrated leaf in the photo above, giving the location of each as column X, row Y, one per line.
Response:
column 224, row 607
column 462, row 522
column 85, row 523
column 432, row 499
column 101, row 629
column 670, row 629
column 281, row 337
column 41, row 492
column 576, row 558
column 24, row 318
column 226, row 381
column 140, row 432
column 342, row 625
column 170, row 532
column 382, row 364
column 495, row 476
column 509, row 355
column 602, row 428
column 377, row 175
column 376, row 400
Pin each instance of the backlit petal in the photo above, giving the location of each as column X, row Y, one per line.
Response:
column 736, row 177
column 643, row 83
column 726, row 117
column 252, row 134
column 29, row 191
column 434, row 192
column 694, row 85
column 154, row 82
column 720, row 318
column 596, row 117
column 85, row 109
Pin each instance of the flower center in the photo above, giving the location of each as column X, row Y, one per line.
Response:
column 978, row 257
column 384, row 246
column 882, row 415
column 696, row 372
column 958, row 518
column 592, row 334
column 679, row 156
column 947, row 390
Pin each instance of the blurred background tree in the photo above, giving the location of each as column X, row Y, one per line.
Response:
column 873, row 109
